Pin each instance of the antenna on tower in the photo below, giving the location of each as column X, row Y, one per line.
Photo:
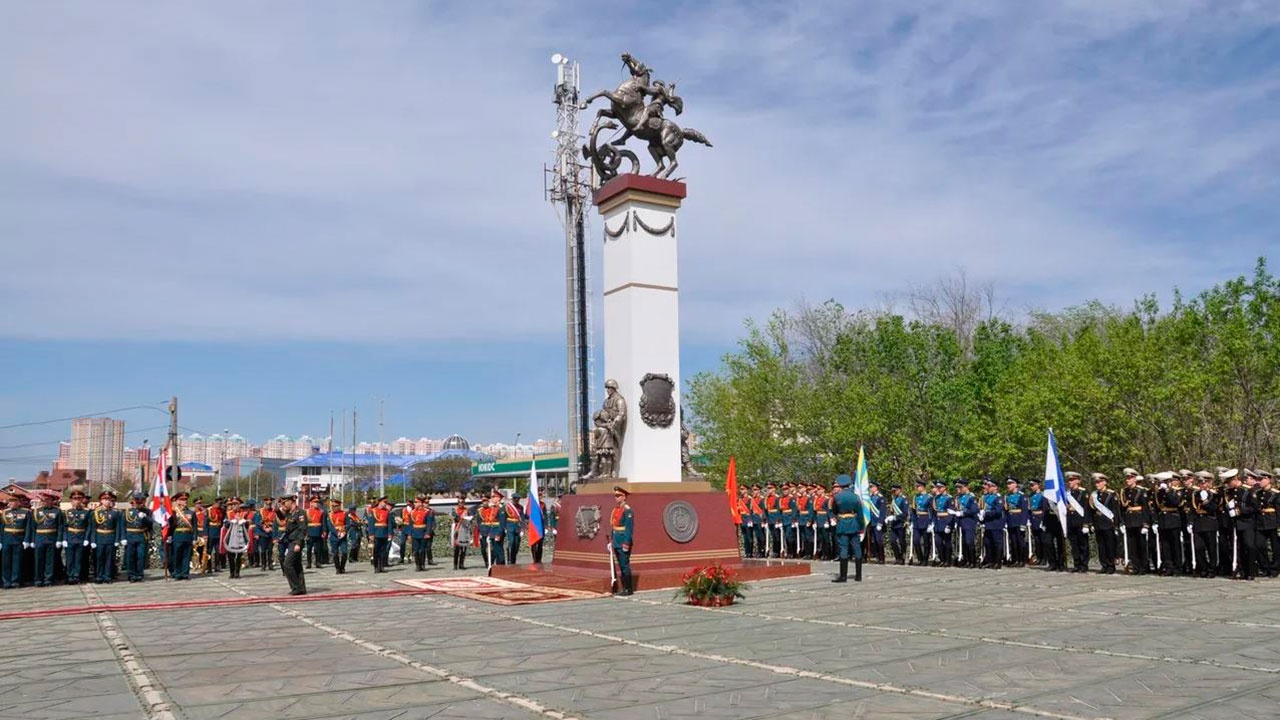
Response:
column 567, row 185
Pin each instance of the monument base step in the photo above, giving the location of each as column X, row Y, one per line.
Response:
column 596, row 580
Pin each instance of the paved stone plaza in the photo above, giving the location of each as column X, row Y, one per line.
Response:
column 907, row 642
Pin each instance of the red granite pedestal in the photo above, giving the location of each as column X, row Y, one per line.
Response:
column 657, row 559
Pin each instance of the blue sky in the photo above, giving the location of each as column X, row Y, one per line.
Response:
column 277, row 210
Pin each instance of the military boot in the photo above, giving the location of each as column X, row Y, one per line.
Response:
column 857, row 570
column 626, row 585
column 844, row 572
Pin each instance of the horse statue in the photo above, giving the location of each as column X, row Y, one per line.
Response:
column 639, row 119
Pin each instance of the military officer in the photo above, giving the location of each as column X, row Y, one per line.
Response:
column 1104, row 508
column 773, row 518
column 378, row 523
column 753, row 524
column 897, row 524
column 787, row 506
column 622, row 522
column 404, row 523
column 181, row 537
column 512, row 522
column 294, row 537
column 50, row 536
column 355, row 531
column 1242, row 507
column 943, row 523
column 1015, row 507
column 1037, row 507
column 76, row 540
column 1268, row 504
column 337, row 531
column 18, row 534
column 137, row 536
column 1078, row 522
column 1169, row 524
column 106, row 531
column 491, row 530
column 315, row 532
column 1135, row 522
column 966, row 515
column 824, row 525
column 1204, row 524
column 875, row 533
column 215, row 517
column 847, row 507
column 921, row 524
column 422, row 530
column 992, row 514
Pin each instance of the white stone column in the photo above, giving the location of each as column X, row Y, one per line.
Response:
column 642, row 314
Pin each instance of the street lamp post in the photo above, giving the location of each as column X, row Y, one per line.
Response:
column 515, row 451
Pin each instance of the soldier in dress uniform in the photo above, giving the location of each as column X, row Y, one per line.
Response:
column 336, row 532
column 403, row 523
column 966, row 514
column 250, row 512
column 1204, row 525
column 921, row 524
column 1186, row 534
column 1135, row 519
column 1169, row 524
column 896, row 521
column 875, row 533
column 806, row 516
column 294, row 537
column 315, row 532
column 460, row 536
column 1268, row 504
column 1078, row 521
column 181, row 537
column 847, row 507
column 1104, row 508
column 355, row 531
column 76, row 540
column 423, row 530
column 992, row 515
column 50, row 536
column 622, row 524
column 824, row 524
column 266, row 539
column 378, row 523
column 17, row 533
column 773, row 519
column 1228, row 548
column 137, row 537
column 1041, row 545
column 1016, row 515
column 943, row 523
column 746, row 528
column 216, row 516
column 1243, row 508
column 106, row 531
column 512, row 523
column 491, row 530
column 787, row 506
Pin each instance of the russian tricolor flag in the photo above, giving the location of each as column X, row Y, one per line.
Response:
column 534, row 508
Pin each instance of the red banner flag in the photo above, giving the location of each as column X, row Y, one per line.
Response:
column 731, row 489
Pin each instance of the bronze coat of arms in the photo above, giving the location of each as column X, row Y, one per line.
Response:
column 657, row 400
column 587, row 521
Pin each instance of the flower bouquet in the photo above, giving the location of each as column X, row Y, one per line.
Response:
column 711, row 585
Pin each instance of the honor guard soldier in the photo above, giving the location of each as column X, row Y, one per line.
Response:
column 315, row 532
column 461, row 535
column 355, row 532
column 253, row 515
column 50, row 537
column 804, row 518
column 422, row 531
column 1016, row 517
column 266, row 539
column 992, row 517
column 826, row 525
column 966, row 515
column 181, row 537
column 943, row 523
column 1105, row 509
column 1135, row 522
column 875, row 534
column 1242, row 507
column 773, row 519
column 217, row 515
column 847, row 507
column 1268, row 523
column 896, row 522
column 751, row 510
column 499, row 528
column 336, row 531
column 18, row 534
column 1168, row 506
column 137, row 537
column 106, row 531
column 622, row 522
column 787, row 506
column 76, row 540
column 1037, row 507
column 378, row 519
column 490, row 530
column 742, row 518
column 1204, row 524
column 403, row 524
column 1078, row 521
column 921, row 524
column 512, row 522
column 294, row 537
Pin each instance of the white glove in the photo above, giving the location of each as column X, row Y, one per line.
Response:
column 1204, row 495
column 947, row 530
column 880, row 528
column 1233, row 513
column 609, row 546
column 1231, row 504
column 93, row 545
column 27, row 546
column 1164, row 486
column 1189, row 530
column 60, row 543
column 86, row 543
column 1145, row 531
column 981, row 515
column 1085, row 529
column 122, row 543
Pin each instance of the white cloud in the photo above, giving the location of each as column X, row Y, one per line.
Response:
column 284, row 170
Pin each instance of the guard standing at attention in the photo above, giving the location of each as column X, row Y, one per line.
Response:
column 1036, row 506
column 50, row 537
column 943, row 522
column 1078, row 524
column 336, row 531
column 378, row 518
column 422, row 526
column 216, row 516
column 355, row 530
column 295, row 535
column 106, row 530
column 921, row 524
column 1105, row 508
column 315, row 532
column 137, row 537
column 18, row 534
column 992, row 516
column 1136, row 522
column 876, row 531
column 966, row 514
column 1015, row 510
column 181, row 537
column 76, row 540
column 773, row 521
column 746, row 524
column 512, row 522
column 897, row 524
column 847, row 507
column 622, row 521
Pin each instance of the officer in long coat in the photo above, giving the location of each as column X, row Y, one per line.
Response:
column 847, row 507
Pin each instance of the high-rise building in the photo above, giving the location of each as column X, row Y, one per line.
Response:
column 97, row 447
column 64, row 457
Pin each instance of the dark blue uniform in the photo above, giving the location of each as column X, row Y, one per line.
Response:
column 993, row 523
column 137, row 537
column 943, row 524
column 896, row 523
column 76, row 542
column 921, row 523
column 847, row 508
column 1016, row 518
column 50, row 532
column 876, row 531
column 967, row 520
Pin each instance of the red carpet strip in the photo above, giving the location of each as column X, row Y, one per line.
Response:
column 227, row 602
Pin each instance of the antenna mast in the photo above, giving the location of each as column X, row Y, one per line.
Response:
column 567, row 185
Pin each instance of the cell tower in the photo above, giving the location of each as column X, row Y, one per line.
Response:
column 567, row 184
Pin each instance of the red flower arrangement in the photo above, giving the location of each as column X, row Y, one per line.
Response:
column 711, row 585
